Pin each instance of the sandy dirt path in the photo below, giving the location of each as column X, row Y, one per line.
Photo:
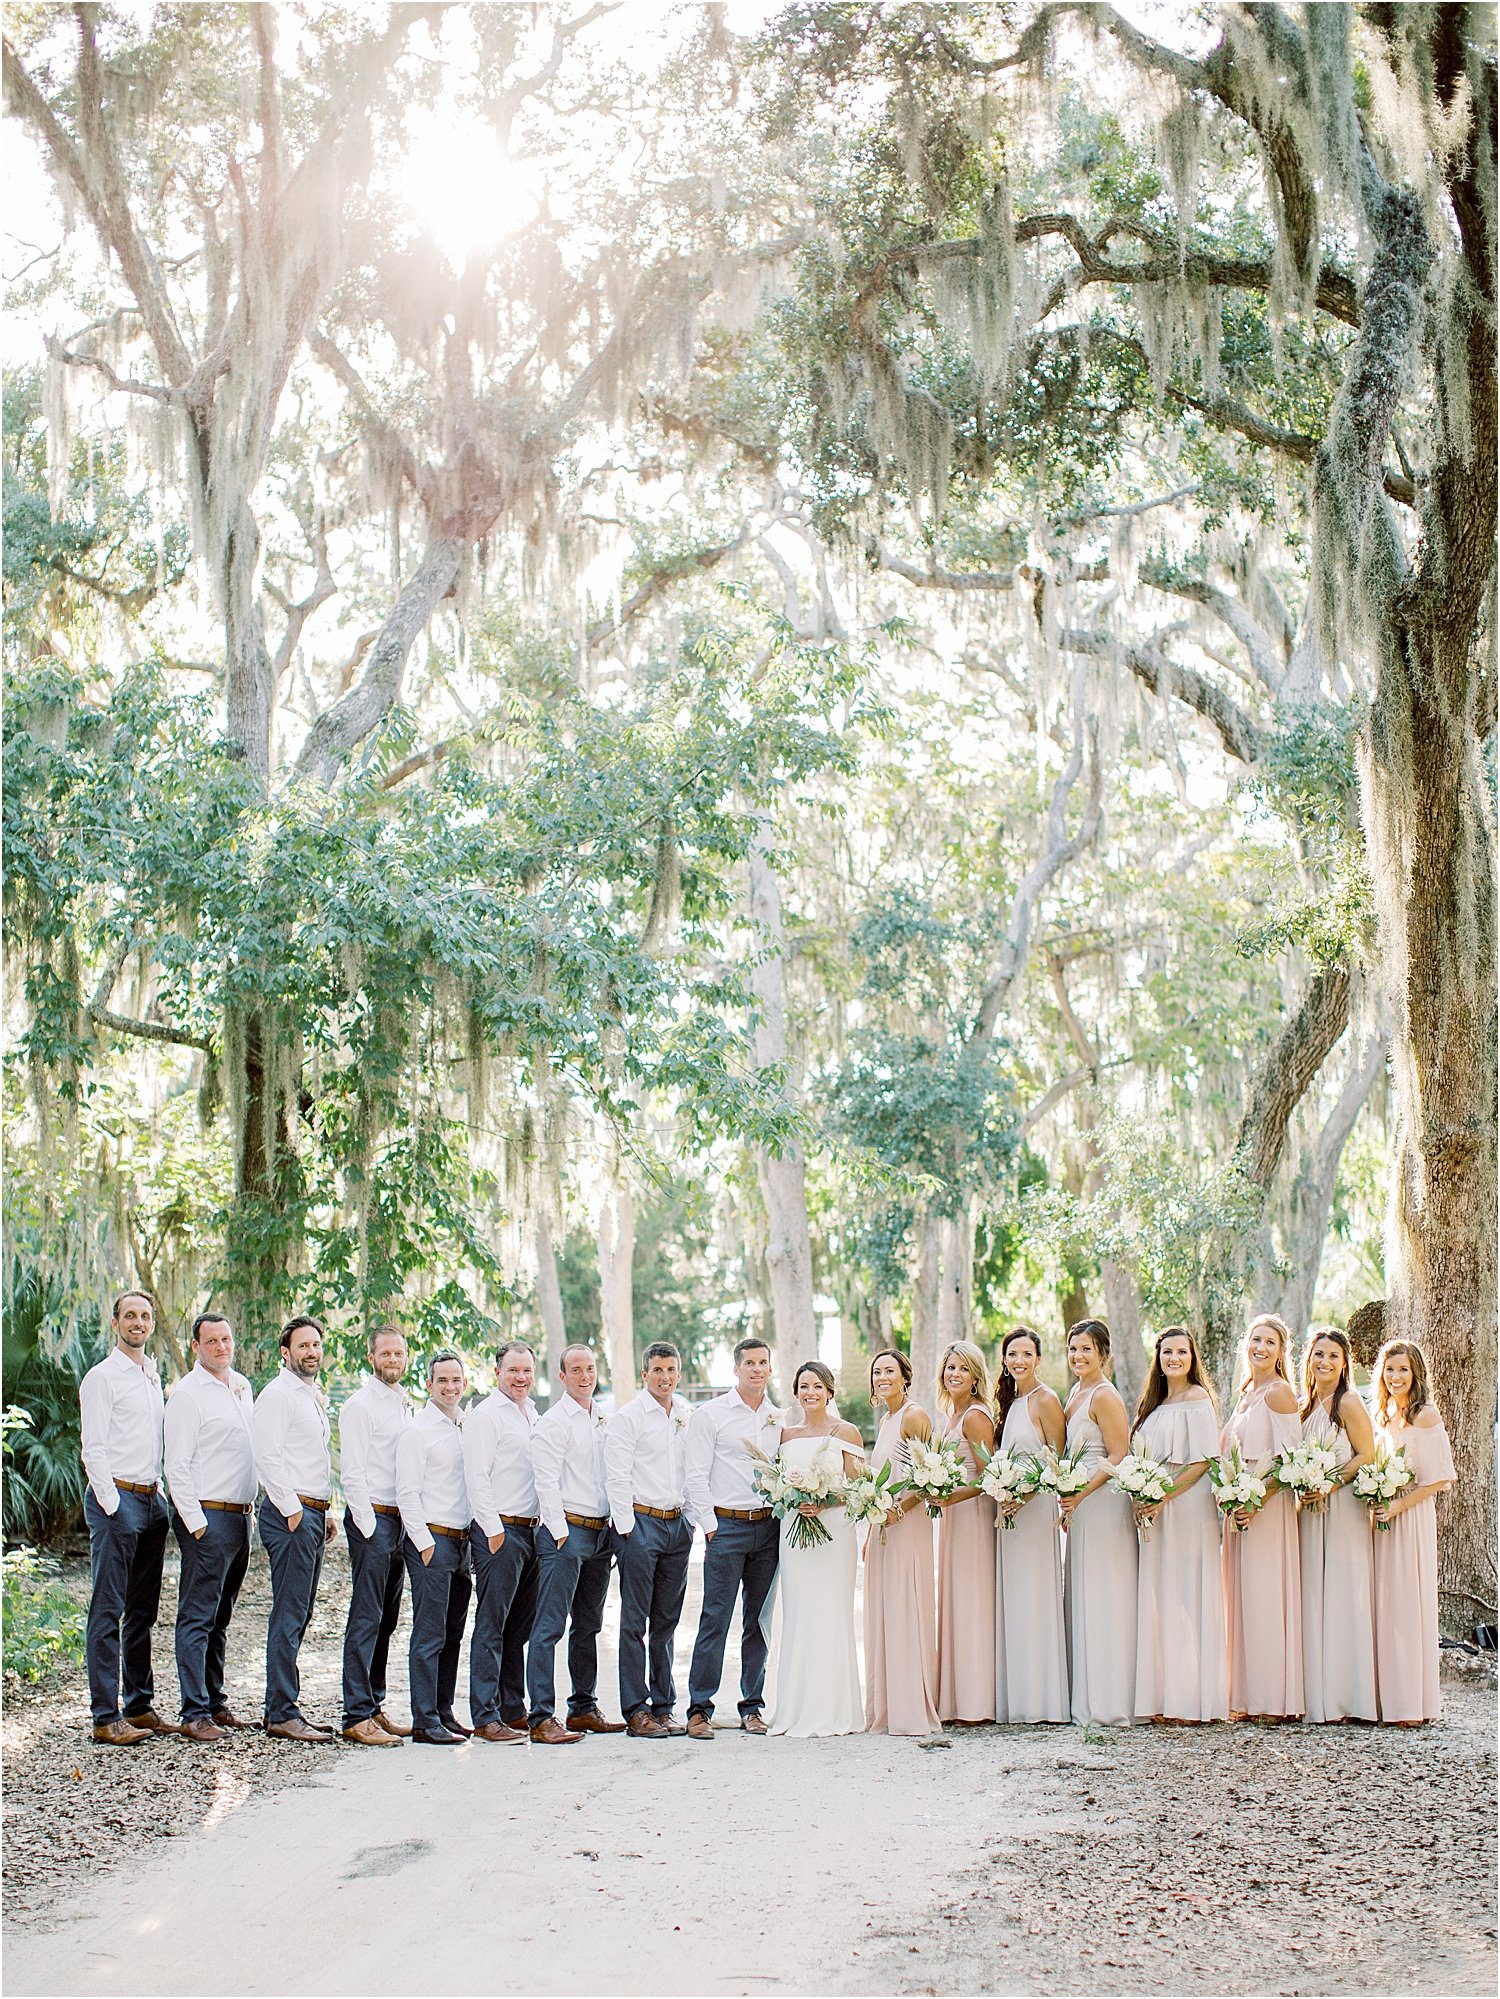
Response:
column 1007, row 1861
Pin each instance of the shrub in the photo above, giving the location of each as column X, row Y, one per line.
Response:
column 46, row 1356
column 42, row 1625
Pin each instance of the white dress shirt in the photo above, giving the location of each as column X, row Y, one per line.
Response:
column 497, row 1461
column 645, row 1458
column 719, row 1467
column 565, row 1451
column 291, row 1442
column 121, row 1406
column 430, row 1475
column 370, row 1423
column 210, row 1443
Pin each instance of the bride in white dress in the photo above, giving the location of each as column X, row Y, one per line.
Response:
column 817, row 1669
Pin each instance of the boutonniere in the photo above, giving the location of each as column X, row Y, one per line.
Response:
column 771, row 1420
column 679, row 1420
column 600, row 1419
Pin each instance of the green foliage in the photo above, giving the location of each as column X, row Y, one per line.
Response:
column 46, row 1353
column 42, row 1625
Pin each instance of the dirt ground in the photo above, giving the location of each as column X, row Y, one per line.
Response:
column 1222, row 1860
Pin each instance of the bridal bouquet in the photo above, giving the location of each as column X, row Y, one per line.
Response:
column 935, row 1470
column 1145, row 1481
column 1236, row 1487
column 1066, row 1472
column 872, row 1496
column 1310, row 1470
column 1008, row 1476
column 1388, row 1473
column 786, row 1488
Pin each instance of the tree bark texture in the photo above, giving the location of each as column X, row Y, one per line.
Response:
column 617, row 1307
column 549, row 1299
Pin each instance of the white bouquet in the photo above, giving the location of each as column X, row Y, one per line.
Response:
column 786, row 1488
column 1236, row 1487
column 872, row 1496
column 1066, row 1472
column 1309, row 1469
column 1387, row 1474
column 934, row 1471
column 1145, row 1481
column 1007, row 1475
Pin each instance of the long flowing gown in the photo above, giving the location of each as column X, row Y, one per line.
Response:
column 1406, row 1585
column 1100, row 1596
column 966, row 1600
column 817, row 1667
column 1263, row 1575
column 1338, row 1581
column 1031, row 1645
column 1181, row 1662
column 901, row 1678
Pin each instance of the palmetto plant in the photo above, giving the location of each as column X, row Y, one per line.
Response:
column 44, row 1355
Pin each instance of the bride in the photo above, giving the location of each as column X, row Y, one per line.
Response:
column 817, row 1671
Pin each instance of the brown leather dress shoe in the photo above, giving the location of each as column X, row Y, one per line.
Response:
column 225, row 1717
column 591, row 1722
column 670, row 1725
column 149, row 1720
column 298, row 1730
column 551, row 1730
column 199, row 1730
column 496, row 1731
column 753, row 1724
column 700, row 1728
column 643, row 1724
column 119, row 1734
column 370, row 1734
column 390, row 1727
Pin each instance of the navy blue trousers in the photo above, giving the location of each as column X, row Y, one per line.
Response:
column 440, row 1592
column 741, row 1557
column 572, row 1583
column 126, row 1550
column 296, row 1565
column 213, row 1568
column 653, row 1563
column 376, row 1575
column 505, row 1586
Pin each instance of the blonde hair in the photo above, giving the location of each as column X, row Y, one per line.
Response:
column 1283, row 1354
column 975, row 1362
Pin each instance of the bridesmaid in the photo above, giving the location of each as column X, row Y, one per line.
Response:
column 1099, row 1601
column 966, row 1547
column 1262, row 1569
column 901, row 1675
column 1181, row 1665
column 1406, row 1583
column 1031, row 1646
column 1338, row 1631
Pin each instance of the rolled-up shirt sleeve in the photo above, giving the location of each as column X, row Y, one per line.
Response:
column 548, row 1445
column 619, row 1467
column 355, row 1431
column 96, row 1405
column 479, row 1451
column 180, row 1430
column 698, row 1469
column 411, row 1469
column 271, row 1419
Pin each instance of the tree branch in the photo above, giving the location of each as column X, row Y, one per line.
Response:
column 1282, row 1080
column 1240, row 734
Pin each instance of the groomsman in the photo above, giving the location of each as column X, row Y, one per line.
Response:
column 740, row 1533
column 573, row 1555
column 210, row 1459
column 120, row 1402
column 435, row 1513
column 370, row 1423
column 502, row 1539
column 644, row 1452
column 292, row 1462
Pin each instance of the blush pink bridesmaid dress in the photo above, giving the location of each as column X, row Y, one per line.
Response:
column 1031, row 1646
column 1406, row 1585
column 966, row 1601
column 1181, row 1664
column 1263, row 1574
column 901, row 1671
column 1338, row 1582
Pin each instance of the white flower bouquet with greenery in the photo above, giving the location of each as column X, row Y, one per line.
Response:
column 1309, row 1469
column 1237, row 1489
column 787, row 1488
column 1145, row 1481
column 1066, row 1472
column 934, row 1471
column 1384, row 1478
column 872, row 1496
column 1008, row 1476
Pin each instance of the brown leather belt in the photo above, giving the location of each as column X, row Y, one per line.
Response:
column 386, row 1512
column 659, row 1512
column 518, row 1520
column 584, row 1520
column 317, row 1505
column 448, row 1533
column 743, row 1512
column 145, row 1491
column 225, row 1505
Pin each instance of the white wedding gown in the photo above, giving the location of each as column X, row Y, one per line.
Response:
column 816, row 1687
